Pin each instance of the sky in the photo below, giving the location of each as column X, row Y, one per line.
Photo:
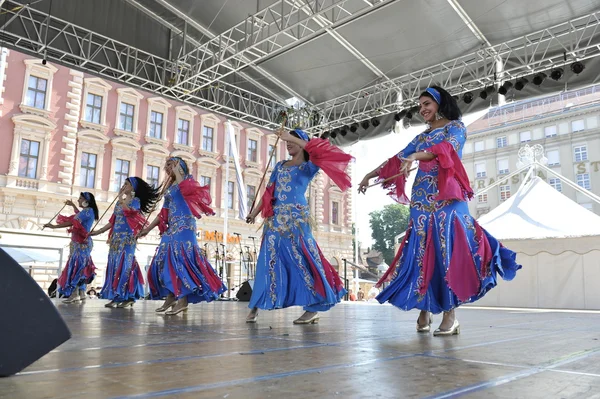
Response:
column 371, row 153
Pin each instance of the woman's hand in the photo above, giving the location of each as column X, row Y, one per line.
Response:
column 94, row 233
column 284, row 134
column 143, row 233
column 49, row 226
column 251, row 218
column 406, row 165
column 70, row 203
column 364, row 185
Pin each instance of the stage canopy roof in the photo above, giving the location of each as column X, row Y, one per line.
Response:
column 345, row 61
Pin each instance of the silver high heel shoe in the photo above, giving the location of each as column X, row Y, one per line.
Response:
column 313, row 320
column 426, row 328
column 454, row 330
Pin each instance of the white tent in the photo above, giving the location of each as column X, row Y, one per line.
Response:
column 558, row 243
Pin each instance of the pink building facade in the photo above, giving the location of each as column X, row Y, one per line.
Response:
column 64, row 132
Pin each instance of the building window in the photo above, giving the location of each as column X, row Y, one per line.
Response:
column 28, row 161
column 553, row 157
column 205, row 181
column 556, row 184
column 87, row 175
column 550, row 131
column 583, row 180
column 93, row 109
column 230, row 191
column 183, row 131
column 525, row 137
column 121, row 173
column 152, row 173
column 156, row 124
column 252, row 150
column 580, row 153
column 251, row 194
column 274, row 159
column 501, row 142
column 482, row 198
column 207, row 138
column 335, row 209
column 36, row 92
column 504, row 193
column 479, row 146
column 577, row 126
column 126, row 117
column 502, row 166
column 480, row 170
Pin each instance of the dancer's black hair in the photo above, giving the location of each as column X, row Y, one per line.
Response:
column 147, row 194
column 448, row 107
column 91, row 200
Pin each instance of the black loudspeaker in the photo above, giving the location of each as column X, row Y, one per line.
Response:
column 245, row 291
column 33, row 326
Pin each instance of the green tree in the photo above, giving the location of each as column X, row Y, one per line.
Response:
column 387, row 224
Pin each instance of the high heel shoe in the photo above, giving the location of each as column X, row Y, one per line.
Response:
column 165, row 307
column 72, row 299
column 125, row 304
column 252, row 319
column 177, row 311
column 454, row 330
column 426, row 328
column 111, row 304
column 313, row 320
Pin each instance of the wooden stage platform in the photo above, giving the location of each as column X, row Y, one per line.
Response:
column 357, row 350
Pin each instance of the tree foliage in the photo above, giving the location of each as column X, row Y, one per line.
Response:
column 387, row 224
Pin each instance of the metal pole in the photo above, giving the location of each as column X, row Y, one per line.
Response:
column 346, row 278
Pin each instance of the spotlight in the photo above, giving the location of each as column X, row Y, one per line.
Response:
column 365, row 124
column 409, row 115
column 468, row 97
column 406, row 122
column 334, row 133
column 557, row 73
column 486, row 92
column 375, row 122
column 325, row 135
column 354, row 127
column 577, row 67
column 398, row 117
column 44, row 62
column 521, row 83
column 505, row 88
column 343, row 131
column 539, row 78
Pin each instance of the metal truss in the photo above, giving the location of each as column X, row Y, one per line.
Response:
column 270, row 32
column 24, row 28
column 560, row 45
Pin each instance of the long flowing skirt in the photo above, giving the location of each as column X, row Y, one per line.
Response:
column 180, row 268
column 292, row 271
column 124, row 279
column 79, row 270
column 445, row 259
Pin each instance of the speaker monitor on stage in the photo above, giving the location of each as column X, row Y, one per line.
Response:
column 245, row 291
column 34, row 327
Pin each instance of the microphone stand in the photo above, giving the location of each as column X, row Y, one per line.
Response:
column 255, row 256
column 239, row 236
column 248, row 276
column 219, row 269
column 223, row 266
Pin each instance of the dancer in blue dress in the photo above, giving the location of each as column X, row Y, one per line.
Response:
column 80, row 269
column 179, row 270
column 291, row 269
column 124, row 281
column 446, row 258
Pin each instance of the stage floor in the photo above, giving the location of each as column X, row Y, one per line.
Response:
column 358, row 350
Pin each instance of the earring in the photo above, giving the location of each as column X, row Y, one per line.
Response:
column 85, row 204
column 438, row 116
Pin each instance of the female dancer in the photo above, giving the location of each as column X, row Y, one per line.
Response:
column 446, row 259
column 80, row 269
column 291, row 269
column 124, row 282
column 179, row 271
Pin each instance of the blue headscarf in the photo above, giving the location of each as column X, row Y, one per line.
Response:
column 181, row 163
column 435, row 94
column 133, row 182
column 301, row 134
column 87, row 196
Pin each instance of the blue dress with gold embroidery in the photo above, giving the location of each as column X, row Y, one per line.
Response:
column 124, row 280
column 179, row 267
column 291, row 269
column 445, row 258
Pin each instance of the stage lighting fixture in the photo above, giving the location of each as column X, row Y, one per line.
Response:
column 486, row 92
column 409, row 115
column 334, row 133
column 505, row 88
column 325, row 135
column 343, row 131
column 375, row 122
column 354, row 127
column 365, row 124
column 406, row 123
column 557, row 73
column 539, row 78
column 398, row 117
column 468, row 97
column 577, row 67
column 521, row 83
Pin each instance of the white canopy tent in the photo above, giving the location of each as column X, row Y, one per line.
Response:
column 558, row 243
